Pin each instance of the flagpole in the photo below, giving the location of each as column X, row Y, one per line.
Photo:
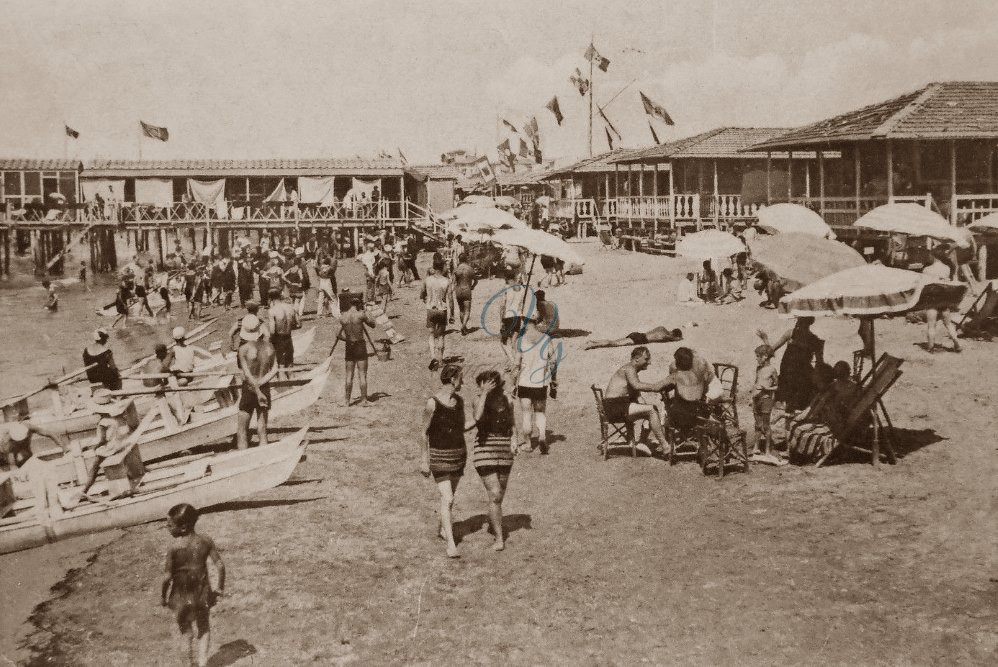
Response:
column 592, row 85
column 139, row 142
column 65, row 141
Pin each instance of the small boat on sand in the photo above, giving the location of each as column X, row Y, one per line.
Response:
column 144, row 494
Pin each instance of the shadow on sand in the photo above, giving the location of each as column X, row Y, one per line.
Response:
column 231, row 653
column 236, row 505
column 510, row 524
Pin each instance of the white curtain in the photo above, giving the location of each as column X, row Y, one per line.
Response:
column 366, row 187
column 211, row 193
column 108, row 188
column 316, row 190
column 158, row 191
column 279, row 193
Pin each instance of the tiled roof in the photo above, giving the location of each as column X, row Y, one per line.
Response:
column 723, row 142
column 33, row 164
column 947, row 110
column 437, row 171
column 274, row 165
column 596, row 164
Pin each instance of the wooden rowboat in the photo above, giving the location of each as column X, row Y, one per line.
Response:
column 202, row 481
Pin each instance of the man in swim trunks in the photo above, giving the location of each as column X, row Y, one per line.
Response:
column 15, row 442
column 656, row 335
column 352, row 332
column 464, row 284
column 283, row 320
column 257, row 364
column 620, row 401
column 689, row 375
column 436, row 292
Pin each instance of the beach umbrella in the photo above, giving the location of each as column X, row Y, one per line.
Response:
column 479, row 217
column 986, row 225
column 914, row 220
column 478, row 200
column 708, row 245
column 537, row 242
column 793, row 218
column 543, row 200
column 800, row 259
column 58, row 196
column 506, row 201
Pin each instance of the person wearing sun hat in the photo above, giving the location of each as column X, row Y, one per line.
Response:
column 15, row 442
column 112, row 430
column 258, row 365
column 99, row 362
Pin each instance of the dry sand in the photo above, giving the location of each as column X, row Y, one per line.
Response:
column 615, row 562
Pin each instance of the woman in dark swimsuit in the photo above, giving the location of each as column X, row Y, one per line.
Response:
column 796, row 384
column 444, row 451
column 493, row 453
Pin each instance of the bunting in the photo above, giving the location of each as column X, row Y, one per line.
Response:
column 580, row 82
column 402, row 156
column 653, row 135
column 609, row 138
column 655, row 110
column 524, row 150
column 553, row 107
column 510, row 126
column 505, row 152
column 70, row 132
column 593, row 56
column 485, row 170
column 154, row 132
column 609, row 124
column 532, row 130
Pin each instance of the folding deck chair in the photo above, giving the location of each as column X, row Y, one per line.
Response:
column 985, row 307
column 868, row 408
column 722, row 441
column 613, row 433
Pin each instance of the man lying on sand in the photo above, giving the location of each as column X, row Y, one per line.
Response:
column 656, row 335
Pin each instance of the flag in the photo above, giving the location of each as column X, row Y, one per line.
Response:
column 524, row 150
column 538, row 156
column 553, row 107
column 485, row 170
column 607, row 120
column 653, row 135
column 154, row 132
column 653, row 109
column 70, row 132
column 593, row 56
column 402, row 157
column 580, row 82
column 510, row 125
column 532, row 129
column 505, row 152
column 609, row 139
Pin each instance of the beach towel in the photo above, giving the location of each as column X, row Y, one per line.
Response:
column 211, row 193
column 316, row 190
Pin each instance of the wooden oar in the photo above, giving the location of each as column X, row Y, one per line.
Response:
column 52, row 384
column 193, row 374
column 162, row 390
column 202, row 332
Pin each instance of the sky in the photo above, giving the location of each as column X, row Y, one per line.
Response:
column 332, row 78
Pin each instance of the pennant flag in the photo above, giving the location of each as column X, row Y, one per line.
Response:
column 154, row 132
column 505, row 152
column 524, row 149
column 553, row 107
column 510, row 125
column 607, row 120
column 538, row 156
column 70, row 132
column 593, row 56
column 653, row 135
column 655, row 110
column 402, row 157
column 532, row 129
column 485, row 170
column 609, row 139
column 580, row 82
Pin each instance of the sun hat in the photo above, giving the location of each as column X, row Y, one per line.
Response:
column 17, row 431
column 100, row 334
column 103, row 402
column 179, row 333
column 250, row 329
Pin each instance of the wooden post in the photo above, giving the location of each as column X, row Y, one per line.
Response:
column 769, row 178
column 889, row 148
column 672, row 199
column 654, row 194
column 856, row 175
column 404, row 214
column 717, row 198
column 641, row 192
column 952, row 181
column 821, row 183
column 790, row 176
column 630, row 196
column 807, row 179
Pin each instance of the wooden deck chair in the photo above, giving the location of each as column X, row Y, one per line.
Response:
column 984, row 308
column 868, row 408
column 605, row 240
column 727, row 374
column 613, row 433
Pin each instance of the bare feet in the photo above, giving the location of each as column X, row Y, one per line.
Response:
column 452, row 552
column 499, row 545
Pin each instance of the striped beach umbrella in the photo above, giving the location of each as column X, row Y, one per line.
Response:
column 801, row 259
column 793, row 218
column 914, row 220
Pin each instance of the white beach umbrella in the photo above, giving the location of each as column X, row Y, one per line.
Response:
column 986, row 225
column 478, row 200
column 914, row 220
column 479, row 217
column 793, row 218
column 539, row 243
column 708, row 245
column 801, row 259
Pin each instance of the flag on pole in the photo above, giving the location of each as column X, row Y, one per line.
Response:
column 580, row 82
column 70, row 132
column 653, row 135
column 505, row 152
column 485, row 170
column 553, row 107
column 524, row 150
column 655, row 110
column 154, row 132
column 402, row 156
column 532, row 129
column 593, row 56
column 609, row 124
column 609, row 138
column 510, row 125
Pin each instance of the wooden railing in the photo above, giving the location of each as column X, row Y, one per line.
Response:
column 841, row 211
column 972, row 207
column 728, row 207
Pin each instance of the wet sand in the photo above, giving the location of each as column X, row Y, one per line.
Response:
column 615, row 562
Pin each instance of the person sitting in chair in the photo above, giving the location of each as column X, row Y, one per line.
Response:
column 656, row 335
column 621, row 399
column 815, row 432
column 689, row 379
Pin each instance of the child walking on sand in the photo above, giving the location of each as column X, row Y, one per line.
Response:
column 763, row 393
column 186, row 589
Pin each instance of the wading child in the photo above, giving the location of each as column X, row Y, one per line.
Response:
column 52, row 298
column 763, row 393
column 186, row 589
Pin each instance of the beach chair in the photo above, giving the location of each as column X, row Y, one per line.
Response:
column 722, row 442
column 605, row 240
column 867, row 415
column 613, row 433
column 975, row 321
column 682, row 442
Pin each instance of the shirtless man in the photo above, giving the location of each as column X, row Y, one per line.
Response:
column 464, row 284
column 283, row 320
column 689, row 375
column 257, row 364
column 436, row 290
column 352, row 332
column 15, row 442
column 656, row 335
column 620, row 400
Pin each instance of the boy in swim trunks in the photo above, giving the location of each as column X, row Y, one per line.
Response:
column 352, row 332
column 257, row 365
column 464, row 284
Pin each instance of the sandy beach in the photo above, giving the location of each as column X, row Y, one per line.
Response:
column 620, row 562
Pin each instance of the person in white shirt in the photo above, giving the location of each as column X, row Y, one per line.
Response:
column 686, row 292
column 537, row 379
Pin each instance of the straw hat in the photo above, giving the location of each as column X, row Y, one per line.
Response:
column 102, row 402
column 179, row 333
column 17, row 431
column 250, row 329
column 101, row 334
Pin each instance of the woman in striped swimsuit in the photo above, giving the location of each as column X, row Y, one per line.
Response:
column 444, row 451
column 493, row 454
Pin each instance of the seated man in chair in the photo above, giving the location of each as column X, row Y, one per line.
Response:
column 621, row 399
column 690, row 377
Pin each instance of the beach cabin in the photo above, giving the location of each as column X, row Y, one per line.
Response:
column 934, row 146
